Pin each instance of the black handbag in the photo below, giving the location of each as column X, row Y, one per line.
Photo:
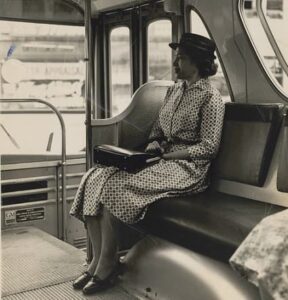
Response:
column 124, row 159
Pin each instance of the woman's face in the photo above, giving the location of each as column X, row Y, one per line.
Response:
column 184, row 68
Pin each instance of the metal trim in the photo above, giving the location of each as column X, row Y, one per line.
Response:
column 27, row 179
column 36, row 165
column 28, row 204
column 270, row 37
column 271, row 80
column 63, row 152
column 27, row 192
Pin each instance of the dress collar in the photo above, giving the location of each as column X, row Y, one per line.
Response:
column 201, row 84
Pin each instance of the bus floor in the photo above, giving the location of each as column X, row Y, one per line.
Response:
column 36, row 265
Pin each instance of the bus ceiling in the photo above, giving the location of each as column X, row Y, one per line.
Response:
column 68, row 12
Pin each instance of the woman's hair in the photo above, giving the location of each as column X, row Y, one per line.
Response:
column 207, row 67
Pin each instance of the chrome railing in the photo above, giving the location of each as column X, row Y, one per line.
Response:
column 63, row 157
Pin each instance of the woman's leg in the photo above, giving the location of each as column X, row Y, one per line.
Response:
column 109, row 248
column 94, row 232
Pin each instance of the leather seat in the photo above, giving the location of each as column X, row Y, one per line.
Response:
column 210, row 223
column 214, row 223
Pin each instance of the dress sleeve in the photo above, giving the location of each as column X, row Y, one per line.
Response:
column 210, row 129
column 156, row 132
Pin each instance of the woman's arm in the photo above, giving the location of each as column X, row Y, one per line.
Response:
column 180, row 154
column 210, row 129
column 210, row 133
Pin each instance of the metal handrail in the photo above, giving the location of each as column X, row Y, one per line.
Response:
column 88, row 95
column 63, row 156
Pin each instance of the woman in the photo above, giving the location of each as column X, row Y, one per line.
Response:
column 187, row 133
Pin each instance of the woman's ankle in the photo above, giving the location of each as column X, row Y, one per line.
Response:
column 105, row 269
column 92, row 267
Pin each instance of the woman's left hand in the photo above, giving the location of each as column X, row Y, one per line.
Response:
column 180, row 154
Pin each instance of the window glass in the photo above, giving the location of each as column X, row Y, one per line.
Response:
column 276, row 15
column 218, row 80
column 120, row 60
column 159, row 53
column 41, row 61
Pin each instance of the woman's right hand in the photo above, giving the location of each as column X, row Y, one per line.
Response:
column 154, row 147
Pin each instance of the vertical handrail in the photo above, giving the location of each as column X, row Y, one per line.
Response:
column 88, row 81
column 88, row 96
column 63, row 156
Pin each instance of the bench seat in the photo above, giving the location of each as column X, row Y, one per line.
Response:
column 211, row 223
column 214, row 223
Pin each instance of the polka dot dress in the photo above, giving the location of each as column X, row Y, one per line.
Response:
column 191, row 118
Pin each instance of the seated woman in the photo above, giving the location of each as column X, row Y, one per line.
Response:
column 187, row 133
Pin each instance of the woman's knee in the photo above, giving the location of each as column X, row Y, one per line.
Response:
column 108, row 216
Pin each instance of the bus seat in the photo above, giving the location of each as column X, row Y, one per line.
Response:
column 249, row 136
column 214, row 223
column 282, row 174
column 130, row 129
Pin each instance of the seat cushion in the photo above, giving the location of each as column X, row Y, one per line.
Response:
column 211, row 223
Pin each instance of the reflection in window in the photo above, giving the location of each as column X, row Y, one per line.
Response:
column 41, row 61
column 159, row 53
column 120, row 69
column 276, row 15
column 218, row 80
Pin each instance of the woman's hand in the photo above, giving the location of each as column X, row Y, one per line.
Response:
column 154, row 147
column 180, row 154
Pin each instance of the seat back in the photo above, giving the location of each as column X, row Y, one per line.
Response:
column 282, row 174
column 131, row 128
column 249, row 136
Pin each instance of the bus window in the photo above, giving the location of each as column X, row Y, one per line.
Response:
column 159, row 54
column 43, row 61
column 274, row 15
column 218, row 80
column 120, row 69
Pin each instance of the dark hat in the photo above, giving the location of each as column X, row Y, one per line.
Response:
column 196, row 45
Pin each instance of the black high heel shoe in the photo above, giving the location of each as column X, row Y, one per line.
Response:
column 97, row 284
column 81, row 281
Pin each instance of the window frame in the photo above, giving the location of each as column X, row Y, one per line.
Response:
column 270, row 36
column 151, row 21
column 109, row 69
column 271, row 79
column 108, row 22
column 152, row 13
column 189, row 10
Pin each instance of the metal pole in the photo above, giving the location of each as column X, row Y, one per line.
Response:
column 88, row 81
column 63, row 157
column 88, row 96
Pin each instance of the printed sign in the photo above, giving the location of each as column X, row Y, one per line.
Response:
column 10, row 217
column 24, row 215
column 29, row 214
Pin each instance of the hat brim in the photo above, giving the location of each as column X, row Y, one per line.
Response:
column 174, row 46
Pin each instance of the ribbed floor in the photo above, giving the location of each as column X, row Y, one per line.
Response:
column 36, row 265
column 65, row 291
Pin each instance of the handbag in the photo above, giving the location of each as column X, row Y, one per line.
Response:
column 124, row 159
